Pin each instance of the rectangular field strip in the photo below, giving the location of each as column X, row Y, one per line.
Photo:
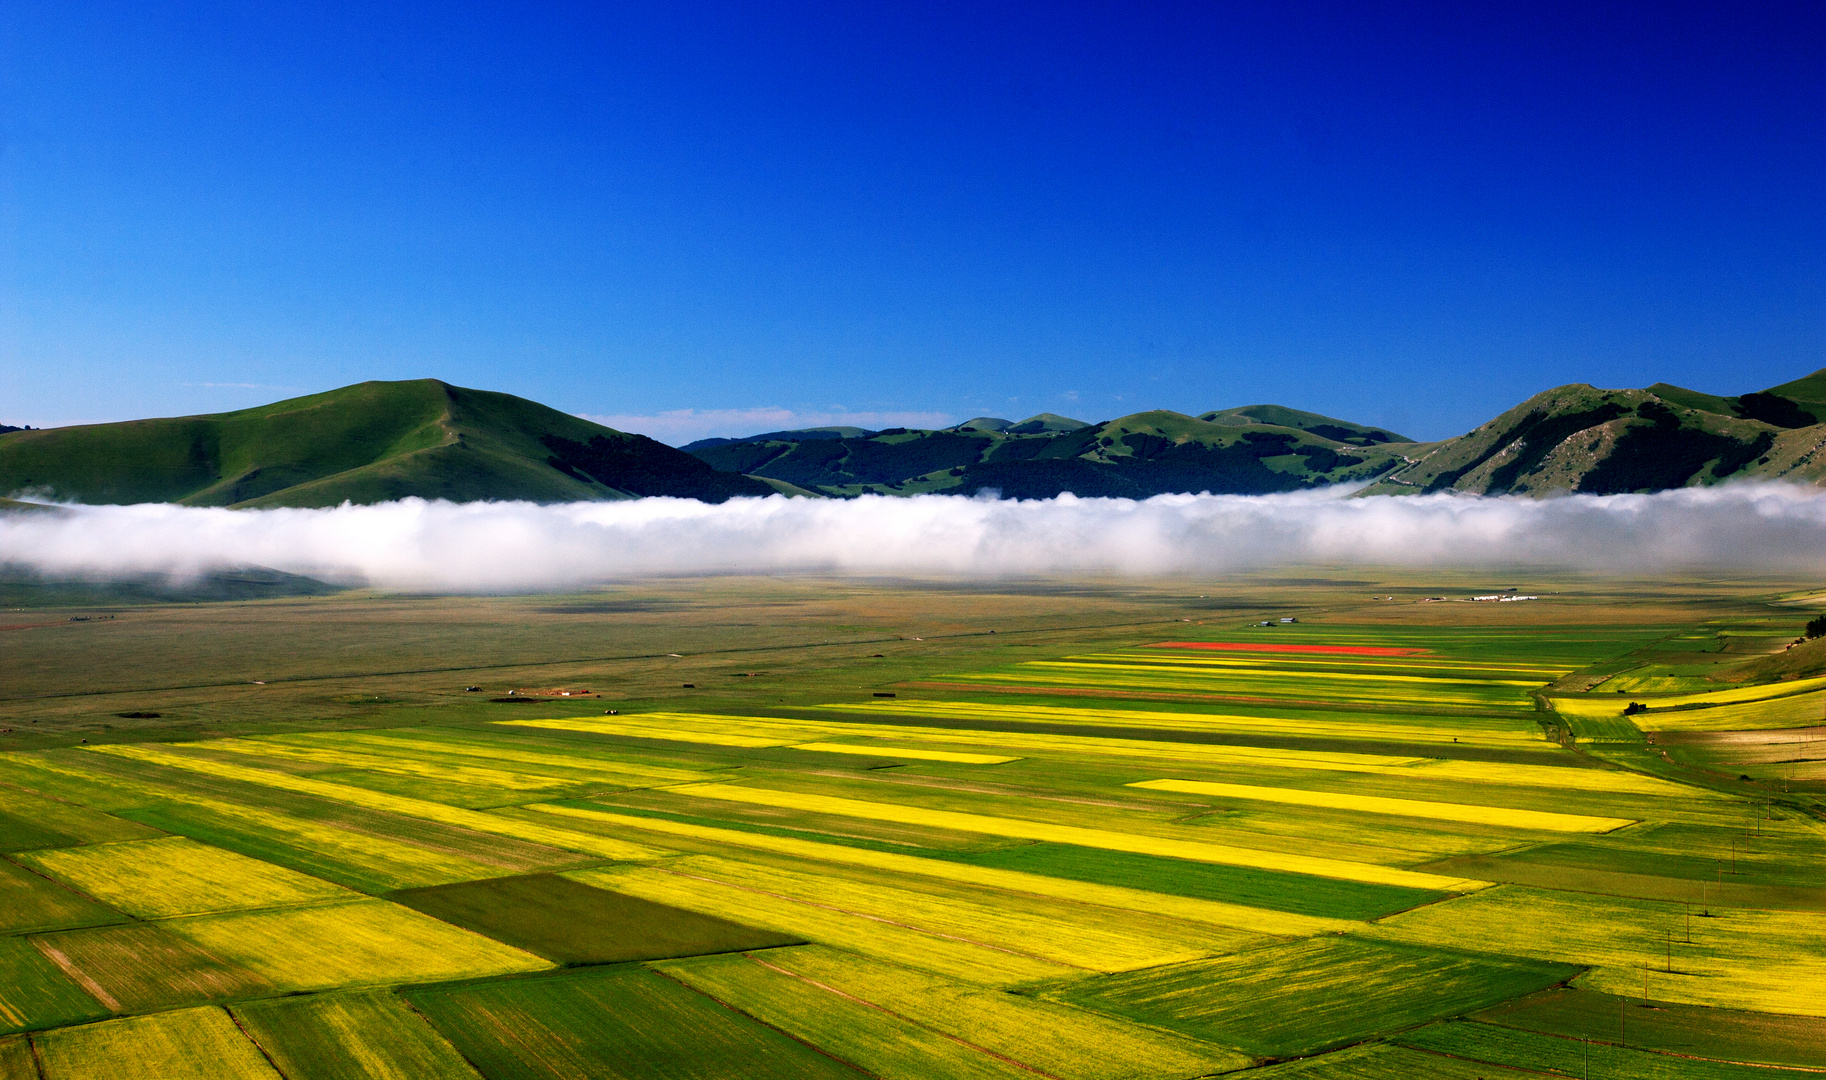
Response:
column 360, row 944
column 1506, row 817
column 1257, row 920
column 1471, row 731
column 1295, row 999
column 369, row 1034
column 1195, row 850
column 1048, row 1036
column 178, row 876
column 194, row 1044
column 622, row 1022
column 374, row 800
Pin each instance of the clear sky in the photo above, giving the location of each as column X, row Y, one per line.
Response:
column 717, row 219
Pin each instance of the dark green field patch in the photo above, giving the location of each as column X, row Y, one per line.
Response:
column 35, row 993
column 1297, row 893
column 614, row 1022
column 1589, row 879
column 18, row 834
column 1553, row 1054
column 1697, row 853
column 30, row 902
column 141, row 967
column 1729, row 1034
column 1603, row 729
column 1295, row 999
column 28, row 818
column 572, row 923
column 1382, row 1061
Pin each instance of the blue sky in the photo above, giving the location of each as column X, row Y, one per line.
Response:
column 714, row 219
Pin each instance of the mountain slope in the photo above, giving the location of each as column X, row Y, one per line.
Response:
column 1136, row 456
column 1579, row 438
column 366, row 443
column 1329, row 427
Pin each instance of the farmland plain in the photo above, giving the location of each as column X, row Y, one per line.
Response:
column 1088, row 830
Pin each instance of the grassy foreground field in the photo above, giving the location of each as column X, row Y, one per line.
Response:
column 1082, row 830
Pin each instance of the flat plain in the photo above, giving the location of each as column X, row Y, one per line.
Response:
column 1088, row 830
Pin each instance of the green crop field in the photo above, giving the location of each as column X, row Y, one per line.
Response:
column 370, row 1033
column 31, row 902
column 618, row 1021
column 1098, row 830
column 1294, row 999
column 37, row 993
column 1555, row 1055
column 572, row 923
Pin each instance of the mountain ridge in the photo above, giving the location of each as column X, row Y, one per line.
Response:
column 1580, row 439
column 378, row 441
column 365, row 443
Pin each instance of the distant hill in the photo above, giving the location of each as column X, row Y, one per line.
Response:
column 1579, row 438
column 984, row 423
column 1044, row 424
column 1136, row 456
column 795, row 435
column 1326, row 426
column 367, row 443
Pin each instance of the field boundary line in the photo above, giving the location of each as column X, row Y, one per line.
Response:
column 1653, row 1050
column 413, row 1008
column 808, row 1044
column 249, row 1036
column 906, row 1019
column 1476, row 1061
column 37, row 1057
column 1470, row 813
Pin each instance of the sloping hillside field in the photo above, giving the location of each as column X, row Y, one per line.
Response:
column 1398, row 838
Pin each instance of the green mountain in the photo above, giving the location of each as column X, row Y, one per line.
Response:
column 366, row 443
column 387, row 440
column 1136, row 456
column 1582, row 439
column 1045, row 423
column 1326, row 426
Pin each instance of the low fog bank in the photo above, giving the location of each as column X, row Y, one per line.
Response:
column 487, row 547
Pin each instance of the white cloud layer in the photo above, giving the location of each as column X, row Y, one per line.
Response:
column 481, row 547
column 681, row 426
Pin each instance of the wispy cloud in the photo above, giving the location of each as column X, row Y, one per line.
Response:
column 681, row 426
column 478, row 547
